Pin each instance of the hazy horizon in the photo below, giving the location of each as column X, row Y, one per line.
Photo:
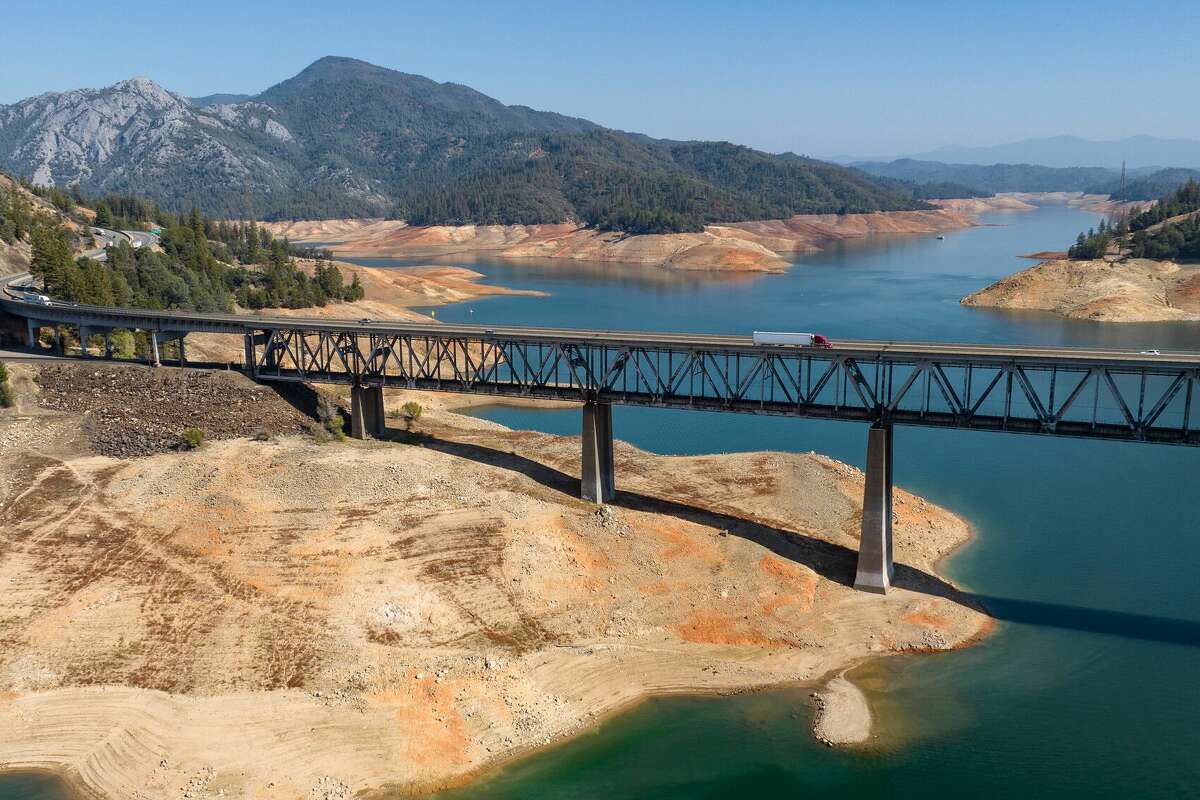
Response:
column 864, row 80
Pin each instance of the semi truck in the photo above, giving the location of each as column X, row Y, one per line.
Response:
column 791, row 339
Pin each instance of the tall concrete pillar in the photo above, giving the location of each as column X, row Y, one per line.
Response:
column 367, row 412
column 155, row 361
column 182, row 354
column 58, row 341
column 599, row 476
column 377, row 419
column 248, row 357
column 875, row 547
column 33, row 330
column 85, row 333
column 108, row 346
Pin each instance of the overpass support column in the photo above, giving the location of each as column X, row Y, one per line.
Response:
column 182, row 355
column 59, row 347
column 108, row 348
column 85, row 333
column 33, row 331
column 599, row 475
column 366, row 412
column 154, row 359
column 248, row 356
column 875, row 548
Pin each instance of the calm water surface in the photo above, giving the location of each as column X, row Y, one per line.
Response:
column 1086, row 551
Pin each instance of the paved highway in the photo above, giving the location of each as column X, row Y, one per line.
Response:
column 110, row 238
column 859, row 348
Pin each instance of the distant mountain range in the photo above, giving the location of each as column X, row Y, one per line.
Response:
column 1140, row 184
column 993, row 177
column 346, row 138
column 1070, row 151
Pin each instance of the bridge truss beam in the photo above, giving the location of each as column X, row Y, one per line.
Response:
column 1134, row 401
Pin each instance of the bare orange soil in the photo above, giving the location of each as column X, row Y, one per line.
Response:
column 282, row 619
column 764, row 246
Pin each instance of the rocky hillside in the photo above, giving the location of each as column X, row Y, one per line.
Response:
column 1101, row 290
column 348, row 139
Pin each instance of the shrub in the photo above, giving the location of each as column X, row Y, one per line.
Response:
column 122, row 344
column 412, row 412
column 261, row 435
column 193, row 438
column 330, row 417
column 6, row 393
column 318, row 432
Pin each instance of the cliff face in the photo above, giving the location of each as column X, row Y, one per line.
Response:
column 1134, row 290
column 134, row 132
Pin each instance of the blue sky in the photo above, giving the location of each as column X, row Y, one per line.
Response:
column 860, row 78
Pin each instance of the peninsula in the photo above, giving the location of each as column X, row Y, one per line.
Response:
column 270, row 616
column 1138, row 267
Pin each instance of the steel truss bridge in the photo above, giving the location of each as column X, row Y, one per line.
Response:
column 1054, row 391
column 1050, row 391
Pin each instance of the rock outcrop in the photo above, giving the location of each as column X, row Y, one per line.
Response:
column 1105, row 290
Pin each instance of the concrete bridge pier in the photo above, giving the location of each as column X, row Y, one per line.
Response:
column 154, row 360
column 108, row 345
column 367, row 412
column 85, row 333
column 875, row 566
column 159, row 338
column 59, row 346
column 33, row 332
column 248, row 355
column 599, row 475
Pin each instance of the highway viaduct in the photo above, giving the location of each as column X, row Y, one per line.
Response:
column 1048, row 391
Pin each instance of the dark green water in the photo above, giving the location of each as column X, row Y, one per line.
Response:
column 32, row 786
column 1086, row 551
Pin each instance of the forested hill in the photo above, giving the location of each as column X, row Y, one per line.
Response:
column 993, row 177
column 1151, row 186
column 201, row 264
column 347, row 138
column 1170, row 229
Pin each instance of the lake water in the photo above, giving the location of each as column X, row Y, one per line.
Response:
column 1087, row 552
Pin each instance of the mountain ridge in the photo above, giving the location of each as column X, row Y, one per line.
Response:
column 345, row 138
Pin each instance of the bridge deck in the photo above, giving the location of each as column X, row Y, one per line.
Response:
column 1064, row 391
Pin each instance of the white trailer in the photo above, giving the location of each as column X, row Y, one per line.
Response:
column 793, row 339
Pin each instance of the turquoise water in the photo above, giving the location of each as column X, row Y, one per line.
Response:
column 1086, row 551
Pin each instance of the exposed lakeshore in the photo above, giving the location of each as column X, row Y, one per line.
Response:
column 333, row 648
column 467, row 610
column 762, row 246
column 1101, row 290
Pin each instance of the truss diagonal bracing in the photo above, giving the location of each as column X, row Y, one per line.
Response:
column 1137, row 401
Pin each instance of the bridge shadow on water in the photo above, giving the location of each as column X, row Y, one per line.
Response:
column 837, row 562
